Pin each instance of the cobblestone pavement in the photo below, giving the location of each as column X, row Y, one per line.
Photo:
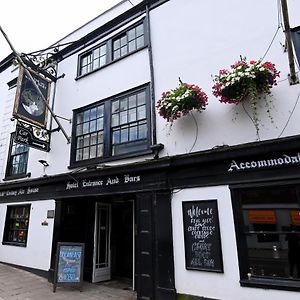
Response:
column 16, row 284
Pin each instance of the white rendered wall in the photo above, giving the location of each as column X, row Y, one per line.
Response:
column 37, row 253
column 193, row 40
column 225, row 285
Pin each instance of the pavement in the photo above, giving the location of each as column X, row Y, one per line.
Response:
column 17, row 284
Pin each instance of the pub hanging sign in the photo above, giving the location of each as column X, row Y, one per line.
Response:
column 29, row 104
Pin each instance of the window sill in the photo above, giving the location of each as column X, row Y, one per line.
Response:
column 16, row 176
column 269, row 283
column 87, row 162
column 14, row 244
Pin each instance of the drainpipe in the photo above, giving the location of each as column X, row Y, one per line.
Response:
column 152, row 89
column 293, row 78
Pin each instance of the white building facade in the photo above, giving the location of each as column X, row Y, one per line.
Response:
column 204, row 207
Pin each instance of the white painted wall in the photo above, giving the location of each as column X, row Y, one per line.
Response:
column 208, row 284
column 194, row 40
column 37, row 253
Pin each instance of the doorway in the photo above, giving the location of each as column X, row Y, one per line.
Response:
column 113, row 257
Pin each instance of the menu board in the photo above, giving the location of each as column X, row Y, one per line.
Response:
column 202, row 236
column 69, row 264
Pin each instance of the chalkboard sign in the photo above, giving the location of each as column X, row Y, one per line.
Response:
column 69, row 264
column 202, row 236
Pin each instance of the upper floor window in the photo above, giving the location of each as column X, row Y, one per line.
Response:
column 128, row 42
column 93, row 60
column 114, row 48
column 113, row 127
column 16, row 225
column 17, row 159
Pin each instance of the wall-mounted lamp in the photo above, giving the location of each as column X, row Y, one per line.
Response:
column 44, row 163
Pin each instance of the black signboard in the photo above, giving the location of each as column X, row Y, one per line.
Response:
column 69, row 265
column 202, row 236
column 32, row 136
column 29, row 105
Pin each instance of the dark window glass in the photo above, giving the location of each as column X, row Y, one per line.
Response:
column 17, row 160
column 130, row 41
column 270, row 230
column 125, row 129
column 16, row 225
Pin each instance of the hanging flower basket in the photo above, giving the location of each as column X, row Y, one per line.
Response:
column 180, row 101
column 246, row 80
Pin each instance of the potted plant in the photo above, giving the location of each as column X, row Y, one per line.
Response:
column 179, row 102
column 246, row 80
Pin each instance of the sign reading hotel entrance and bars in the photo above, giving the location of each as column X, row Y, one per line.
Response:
column 32, row 136
column 29, row 105
column 69, row 265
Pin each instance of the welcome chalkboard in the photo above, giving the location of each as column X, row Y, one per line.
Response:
column 69, row 264
column 202, row 236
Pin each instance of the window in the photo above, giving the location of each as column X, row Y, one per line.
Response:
column 296, row 40
column 128, row 42
column 17, row 160
column 16, row 225
column 117, row 47
column 93, row 60
column 267, row 222
column 113, row 127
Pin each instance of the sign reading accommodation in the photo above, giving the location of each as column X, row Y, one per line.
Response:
column 29, row 105
column 202, row 236
column 69, row 265
column 32, row 136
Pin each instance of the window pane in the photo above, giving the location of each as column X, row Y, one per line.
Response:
column 123, row 41
column 141, row 98
column 133, row 133
column 115, row 120
column 100, row 137
column 132, row 101
column 116, row 137
column 123, row 117
column 117, row 54
column 124, row 50
column 123, row 104
column 86, row 140
column 79, row 129
column 131, row 34
column 93, row 125
column 93, row 113
column 131, row 46
column 86, row 115
column 94, row 138
column 132, row 115
column 96, row 53
column 124, row 135
column 86, row 153
column 93, row 151
column 140, row 30
column 117, row 44
column 100, row 111
column 115, row 106
column 100, row 150
column 103, row 50
column 79, row 154
column 85, row 128
column 102, row 61
column 141, row 112
column 80, row 142
column 96, row 64
column 79, row 118
column 100, row 124
column 143, row 131
column 140, row 42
